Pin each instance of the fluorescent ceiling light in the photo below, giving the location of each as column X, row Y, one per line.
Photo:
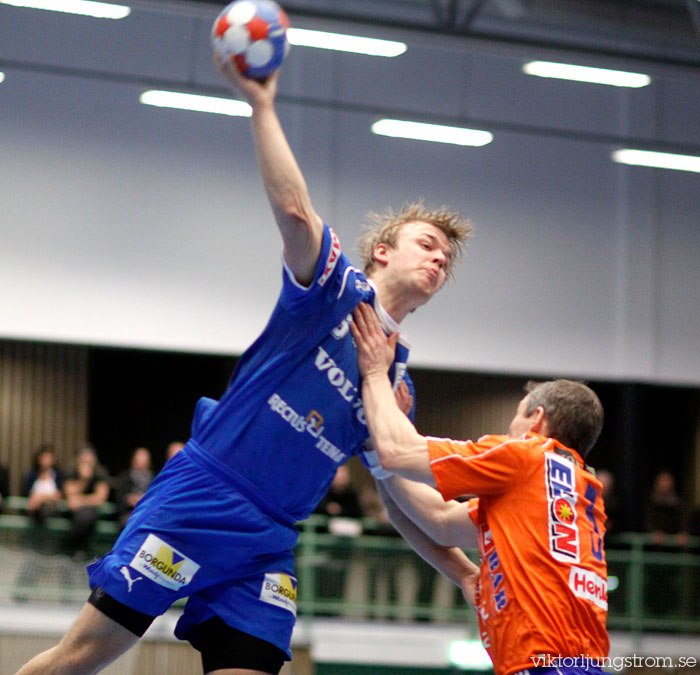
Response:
column 658, row 160
column 437, row 133
column 100, row 10
column 344, row 43
column 210, row 104
column 2, row 76
column 563, row 71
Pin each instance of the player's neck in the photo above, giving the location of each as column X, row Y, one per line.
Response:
column 393, row 299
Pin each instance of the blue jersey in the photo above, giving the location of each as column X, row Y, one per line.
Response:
column 216, row 524
column 293, row 409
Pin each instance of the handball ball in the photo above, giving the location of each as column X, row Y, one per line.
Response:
column 254, row 32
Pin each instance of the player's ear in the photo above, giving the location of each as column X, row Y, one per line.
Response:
column 538, row 421
column 380, row 253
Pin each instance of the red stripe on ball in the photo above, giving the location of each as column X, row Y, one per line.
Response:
column 257, row 28
column 222, row 25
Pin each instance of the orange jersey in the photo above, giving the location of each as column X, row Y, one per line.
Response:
column 543, row 583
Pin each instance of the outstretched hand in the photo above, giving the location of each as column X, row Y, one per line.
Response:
column 254, row 91
column 375, row 352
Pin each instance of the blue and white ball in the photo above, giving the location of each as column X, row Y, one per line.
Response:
column 254, row 33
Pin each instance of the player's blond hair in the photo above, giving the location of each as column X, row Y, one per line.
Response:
column 573, row 411
column 382, row 228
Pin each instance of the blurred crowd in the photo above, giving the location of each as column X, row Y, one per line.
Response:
column 352, row 503
column 81, row 491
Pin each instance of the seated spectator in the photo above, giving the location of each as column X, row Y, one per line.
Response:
column 341, row 498
column 665, row 513
column 43, row 485
column 130, row 485
column 86, row 489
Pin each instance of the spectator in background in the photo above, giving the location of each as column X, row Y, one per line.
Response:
column 342, row 499
column 666, row 517
column 130, row 485
column 86, row 489
column 173, row 448
column 666, row 521
column 342, row 506
column 43, row 485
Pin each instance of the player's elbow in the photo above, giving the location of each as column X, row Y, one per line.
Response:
column 390, row 456
column 405, row 456
column 441, row 532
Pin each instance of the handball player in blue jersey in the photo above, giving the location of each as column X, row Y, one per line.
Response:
column 217, row 524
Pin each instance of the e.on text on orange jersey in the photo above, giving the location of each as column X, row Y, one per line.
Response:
column 543, row 582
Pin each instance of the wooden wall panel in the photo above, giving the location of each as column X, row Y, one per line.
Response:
column 43, row 399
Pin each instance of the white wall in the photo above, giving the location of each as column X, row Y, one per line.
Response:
column 125, row 224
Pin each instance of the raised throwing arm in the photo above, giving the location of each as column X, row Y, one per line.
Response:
column 299, row 224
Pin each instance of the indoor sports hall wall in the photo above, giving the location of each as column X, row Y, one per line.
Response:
column 125, row 224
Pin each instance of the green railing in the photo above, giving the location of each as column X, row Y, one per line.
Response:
column 374, row 575
column 653, row 588
column 370, row 573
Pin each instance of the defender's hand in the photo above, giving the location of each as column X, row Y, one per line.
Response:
column 375, row 352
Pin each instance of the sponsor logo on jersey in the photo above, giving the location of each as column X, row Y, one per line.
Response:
column 336, row 375
column 589, row 586
column 312, row 424
column 563, row 511
column 560, row 478
column 280, row 589
column 341, row 382
column 331, row 260
column 341, row 330
column 163, row 564
column 490, row 555
column 124, row 571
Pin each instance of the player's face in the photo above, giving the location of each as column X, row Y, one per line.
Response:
column 521, row 423
column 422, row 253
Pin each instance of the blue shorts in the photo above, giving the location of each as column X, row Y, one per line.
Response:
column 567, row 666
column 194, row 535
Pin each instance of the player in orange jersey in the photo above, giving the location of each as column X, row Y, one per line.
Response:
column 538, row 514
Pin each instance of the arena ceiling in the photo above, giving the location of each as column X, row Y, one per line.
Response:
column 664, row 30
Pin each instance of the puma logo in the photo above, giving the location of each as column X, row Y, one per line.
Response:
column 125, row 573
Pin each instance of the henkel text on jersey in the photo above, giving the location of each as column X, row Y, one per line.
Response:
column 560, row 479
column 589, row 585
